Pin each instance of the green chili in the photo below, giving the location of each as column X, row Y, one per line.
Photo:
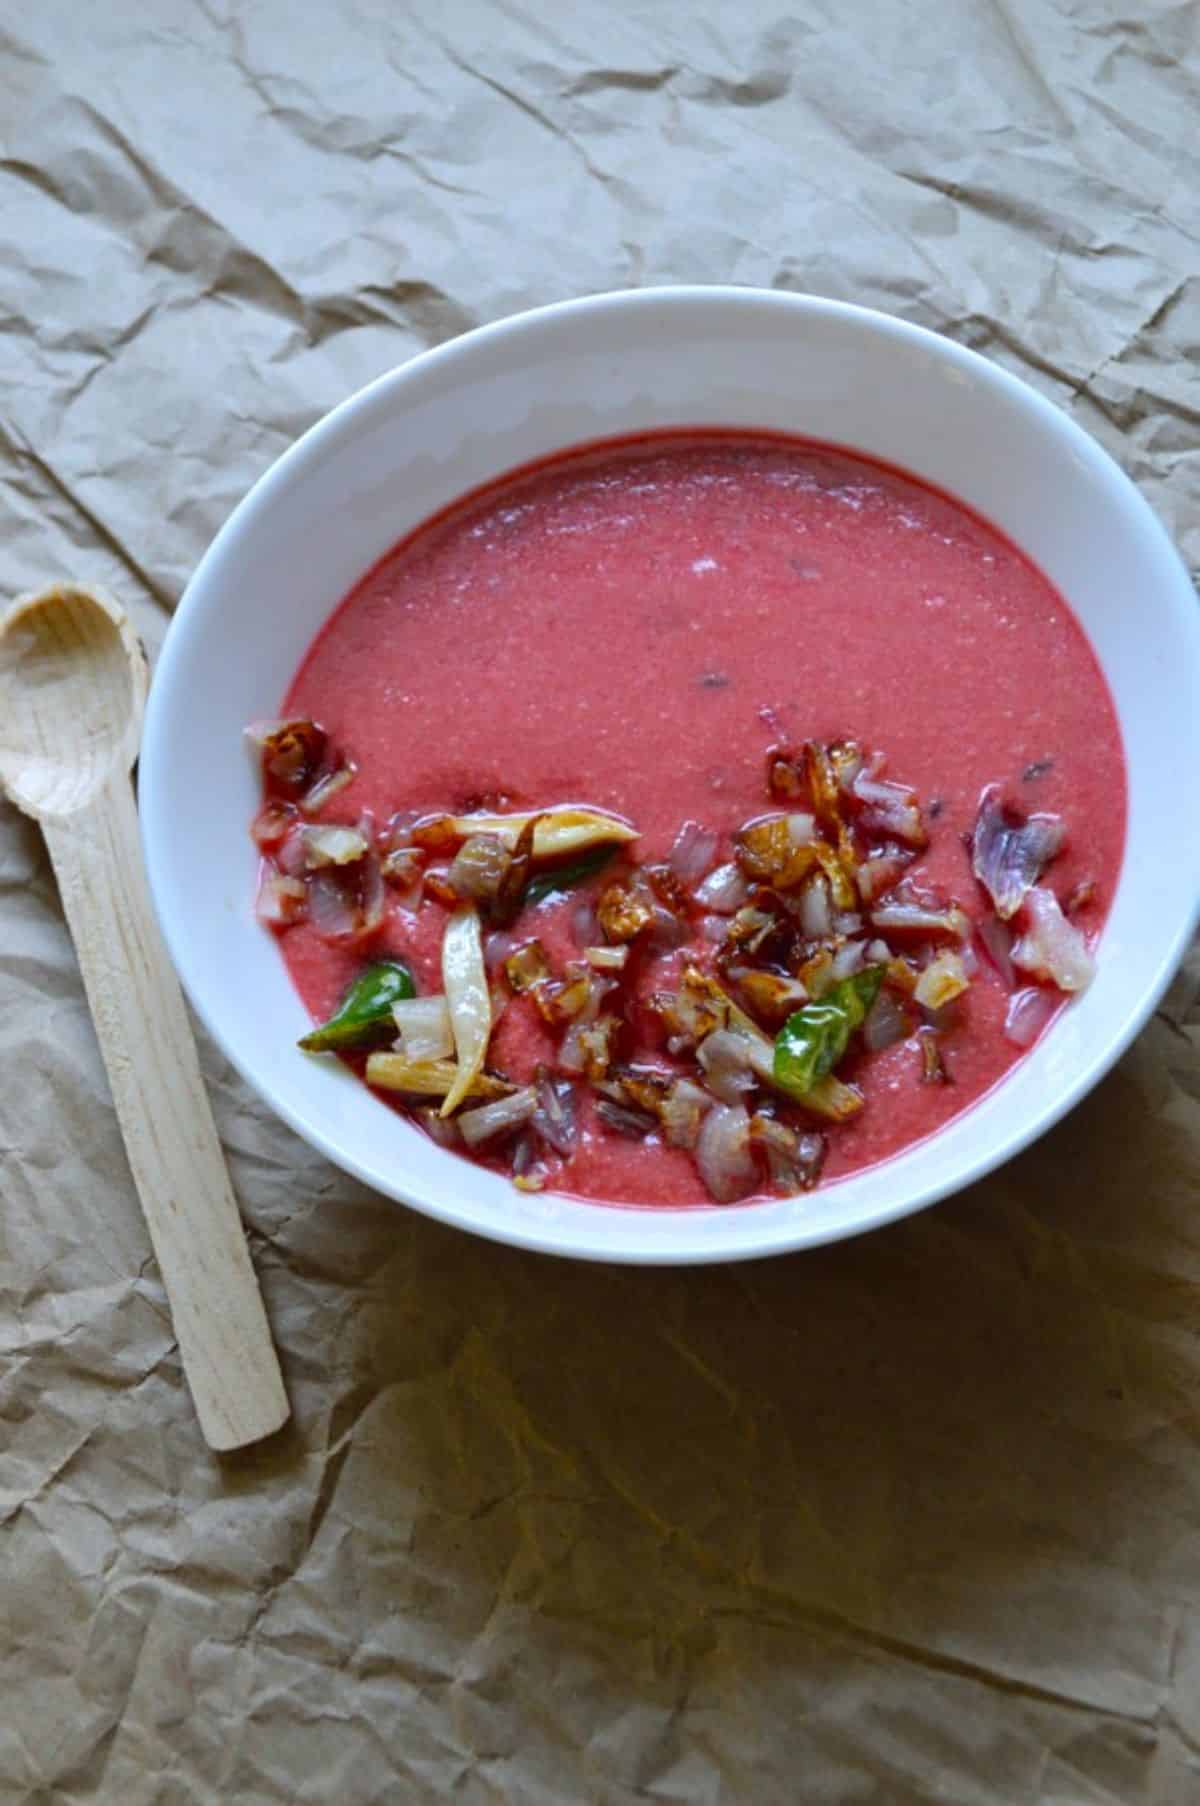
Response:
column 815, row 1038
column 365, row 1013
column 549, row 884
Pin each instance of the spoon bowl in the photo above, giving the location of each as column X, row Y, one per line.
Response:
column 73, row 685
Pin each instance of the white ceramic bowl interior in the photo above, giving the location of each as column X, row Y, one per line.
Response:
column 459, row 416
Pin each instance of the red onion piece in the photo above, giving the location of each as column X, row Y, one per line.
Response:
column 693, row 853
column 1028, row 1013
column 442, row 1129
column 1052, row 947
column 634, row 1124
column 879, row 874
column 1008, row 853
column 723, row 1153
column 816, row 913
column 292, row 857
column 891, row 810
column 486, row 1121
column 667, row 931
column 326, row 788
column 585, row 929
column 723, row 1056
column 281, row 900
column 996, row 939
column 333, row 910
column 682, row 1109
column 848, row 959
column 724, row 891
column 885, row 1024
column 272, row 824
column 496, row 949
column 556, row 1116
column 479, row 868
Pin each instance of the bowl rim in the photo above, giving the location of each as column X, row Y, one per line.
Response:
column 346, row 418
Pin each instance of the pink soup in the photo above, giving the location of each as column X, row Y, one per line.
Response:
column 634, row 626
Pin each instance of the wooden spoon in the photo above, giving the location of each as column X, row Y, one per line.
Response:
column 72, row 688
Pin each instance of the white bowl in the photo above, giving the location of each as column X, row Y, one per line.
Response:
column 452, row 419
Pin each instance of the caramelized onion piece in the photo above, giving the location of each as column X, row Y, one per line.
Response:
column 281, row 900
column 509, row 896
column 561, row 1000
column 942, row 980
column 272, row 824
column 403, row 869
column 428, row 1078
column 590, row 1047
column 479, row 868
column 292, row 753
column 780, row 850
column 770, row 996
column 794, row 1161
column 606, row 959
column 879, row 874
column 464, row 979
column 785, row 772
column 624, row 911
column 1009, row 853
column 1053, row 948
column 527, row 967
column 326, row 788
column 331, row 844
column 891, row 810
column 682, row 1109
column 557, row 832
column 816, row 972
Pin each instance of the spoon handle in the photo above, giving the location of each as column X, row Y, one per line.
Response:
column 166, row 1120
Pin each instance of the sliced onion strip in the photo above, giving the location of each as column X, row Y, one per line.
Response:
column 464, row 979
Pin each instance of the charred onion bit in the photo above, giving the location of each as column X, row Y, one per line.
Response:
column 527, row 967
column 934, row 1070
column 625, row 911
column 1010, row 851
column 293, row 755
column 428, row 1078
column 794, row 1160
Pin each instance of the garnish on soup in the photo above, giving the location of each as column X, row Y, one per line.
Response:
column 791, row 953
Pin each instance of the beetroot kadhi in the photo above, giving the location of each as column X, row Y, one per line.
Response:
column 692, row 819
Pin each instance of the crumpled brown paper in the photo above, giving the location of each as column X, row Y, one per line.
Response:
column 912, row 1519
